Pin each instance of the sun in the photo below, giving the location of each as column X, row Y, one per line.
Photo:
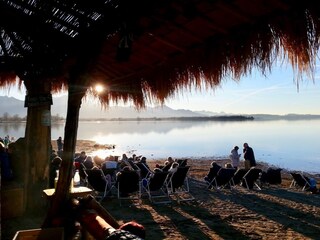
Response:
column 99, row 88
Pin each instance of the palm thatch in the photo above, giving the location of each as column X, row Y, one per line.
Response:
column 142, row 50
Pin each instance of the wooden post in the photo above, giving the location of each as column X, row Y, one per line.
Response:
column 38, row 141
column 65, row 174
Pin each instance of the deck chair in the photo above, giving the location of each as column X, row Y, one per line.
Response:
column 83, row 175
column 166, row 167
column 128, row 186
column 110, row 174
column 211, row 175
column 97, row 181
column 271, row 177
column 154, row 186
column 223, row 178
column 238, row 176
column 177, row 184
column 299, row 180
column 182, row 162
column 145, row 172
column 250, row 179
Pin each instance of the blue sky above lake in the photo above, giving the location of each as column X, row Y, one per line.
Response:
column 275, row 93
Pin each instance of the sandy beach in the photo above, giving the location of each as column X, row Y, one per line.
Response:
column 275, row 212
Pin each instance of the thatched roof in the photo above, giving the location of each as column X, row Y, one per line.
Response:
column 151, row 49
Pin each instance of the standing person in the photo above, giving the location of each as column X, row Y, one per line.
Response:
column 5, row 165
column 6, row 141
column 60, row 144
column 248, row 154
column 235, row 157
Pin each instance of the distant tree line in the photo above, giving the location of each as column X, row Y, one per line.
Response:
column 201, row 118
column 6, row 117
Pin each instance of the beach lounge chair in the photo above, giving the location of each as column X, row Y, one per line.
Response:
column 128, row 186
column 299, row 180
column 250, row 179
column 144, row 170
column 223, row 178
column 98, row 182
column 110, row 174
column 83, row 175
column 177, row 184
column 238, row 176
column 212, row 174
column 182, row 162
column 154, row 186
column 271, row 177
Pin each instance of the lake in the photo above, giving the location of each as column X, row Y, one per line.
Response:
column 293, row 145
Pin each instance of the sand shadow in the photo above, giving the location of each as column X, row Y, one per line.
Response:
column 195, row 222
column 301, row 222
column 291, row 195
column 138, row 213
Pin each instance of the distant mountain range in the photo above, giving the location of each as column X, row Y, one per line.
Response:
column 13, row 106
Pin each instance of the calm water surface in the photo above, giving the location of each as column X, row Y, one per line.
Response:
column 288, row 144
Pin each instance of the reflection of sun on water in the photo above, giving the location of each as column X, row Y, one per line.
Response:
column 103, row 153
column 117, row 151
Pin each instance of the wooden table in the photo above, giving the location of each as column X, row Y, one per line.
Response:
column 76, row 192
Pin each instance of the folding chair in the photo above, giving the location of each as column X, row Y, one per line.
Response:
column 182, row 162
column 154, row 186
column 98, row 182
column 238, row 176
column 271, row 176
column 211, row 175
column 250, row 179
column 223, row 178
column 145, row 172
column 83, row 175
column 128, row 186
column 300, row 180
column 177, row 184
column 110, row 174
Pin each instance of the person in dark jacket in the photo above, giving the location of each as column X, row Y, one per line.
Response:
column 248, row 154
column 5, row 165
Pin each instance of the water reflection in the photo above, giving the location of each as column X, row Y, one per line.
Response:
column 287, row 144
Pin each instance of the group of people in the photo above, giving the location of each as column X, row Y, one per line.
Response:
column 113, row 167
column 248, row 155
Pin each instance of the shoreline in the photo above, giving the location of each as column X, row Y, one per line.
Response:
column 90, row 146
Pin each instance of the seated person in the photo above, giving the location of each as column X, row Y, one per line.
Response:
column 313, row 185
column 167, row 164
column 54, row 166
column 128, row 181
column 100, row 229
column 88, row 163
column 109, row 168
column 132, row 165
column 212, row 172
column 144, row 168
column 228, row 165
column 173, row 168
column 109, row 163
column 125, row 169
column 80, row 159
column 97, row 160
column 124, row 161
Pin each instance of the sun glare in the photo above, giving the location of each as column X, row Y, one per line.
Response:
column 99, row 88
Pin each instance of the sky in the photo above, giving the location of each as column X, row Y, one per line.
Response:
column 275, row 93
